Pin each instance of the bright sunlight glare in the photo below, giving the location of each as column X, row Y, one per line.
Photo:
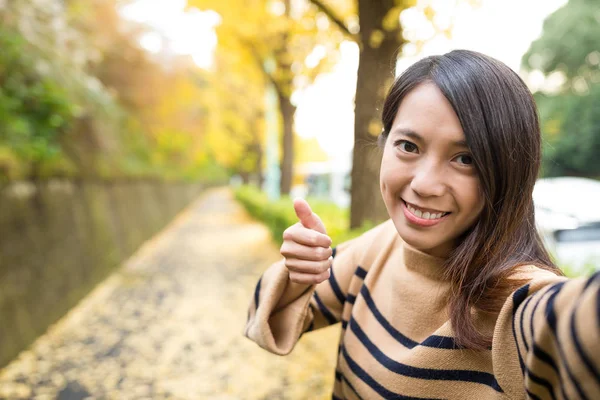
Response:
column 176, row 31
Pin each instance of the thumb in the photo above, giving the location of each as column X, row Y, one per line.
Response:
column 307, row 217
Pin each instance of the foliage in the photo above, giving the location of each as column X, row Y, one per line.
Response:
column 10, row 165
column 79, row 96
column 571, row 127
column 570, row 45
column 279, row 215
column 277, row 38
column 283, row 43
column 161, row 98
column 34, row 109
column 570, row 117
column 309, row 150
column 234, row 131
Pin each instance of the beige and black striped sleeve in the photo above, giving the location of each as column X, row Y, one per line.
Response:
column 549, row 333
column 277, row 327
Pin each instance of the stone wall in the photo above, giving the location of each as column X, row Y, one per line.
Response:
column 58, row 239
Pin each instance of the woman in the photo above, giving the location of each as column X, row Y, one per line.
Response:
column 454, row 296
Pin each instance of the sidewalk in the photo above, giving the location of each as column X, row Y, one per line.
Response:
column 168, row 324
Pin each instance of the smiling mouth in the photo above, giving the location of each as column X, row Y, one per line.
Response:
column 424, row 213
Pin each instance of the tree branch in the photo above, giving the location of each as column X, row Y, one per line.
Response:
column 334, row 18
column 260, row 63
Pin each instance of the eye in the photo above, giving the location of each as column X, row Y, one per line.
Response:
column 406, row 146
column 465, row 159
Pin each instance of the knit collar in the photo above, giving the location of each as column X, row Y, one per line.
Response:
column 422, row 263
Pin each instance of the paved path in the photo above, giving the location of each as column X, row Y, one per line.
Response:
column 168, row 324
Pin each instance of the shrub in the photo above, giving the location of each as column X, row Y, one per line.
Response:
column 34, row 110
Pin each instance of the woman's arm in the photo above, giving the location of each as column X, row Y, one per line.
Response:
column 282, row 310
column 549, row 331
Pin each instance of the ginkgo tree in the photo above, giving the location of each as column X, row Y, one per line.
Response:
column 276, row 38
column 234, row 132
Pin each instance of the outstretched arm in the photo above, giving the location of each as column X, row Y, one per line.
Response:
column 554, row 328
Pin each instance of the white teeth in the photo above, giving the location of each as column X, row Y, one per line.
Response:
column 426, row 214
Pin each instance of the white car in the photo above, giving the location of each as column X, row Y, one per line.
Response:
column 568, row 218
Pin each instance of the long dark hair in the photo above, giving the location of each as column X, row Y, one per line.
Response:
column 500, row 122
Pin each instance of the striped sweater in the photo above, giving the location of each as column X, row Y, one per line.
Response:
column 396, row 340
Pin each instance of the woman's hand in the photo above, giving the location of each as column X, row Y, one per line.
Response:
column 306, row 247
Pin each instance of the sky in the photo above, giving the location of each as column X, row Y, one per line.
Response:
column 178, row 31
column 503, row 29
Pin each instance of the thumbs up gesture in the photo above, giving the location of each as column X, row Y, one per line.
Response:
column 306, row 247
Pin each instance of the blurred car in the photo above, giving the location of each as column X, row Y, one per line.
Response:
column 568, row 218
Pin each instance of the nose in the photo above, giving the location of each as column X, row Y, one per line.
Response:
column 428, row 180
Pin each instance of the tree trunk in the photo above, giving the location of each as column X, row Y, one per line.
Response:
column 284, row 87
column 375, row 74
column 288, row 110
column 257, row 170
column 245, row 177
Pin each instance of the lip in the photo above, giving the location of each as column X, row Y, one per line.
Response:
column 421, row 221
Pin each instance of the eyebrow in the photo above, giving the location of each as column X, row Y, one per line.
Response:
column 414, row 135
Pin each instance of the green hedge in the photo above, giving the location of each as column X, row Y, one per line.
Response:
column 279, row 215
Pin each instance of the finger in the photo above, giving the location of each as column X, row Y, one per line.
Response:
column 310, row 279
column 309, row 237
column 308, row 267
column 290, row 249
column 307, row 217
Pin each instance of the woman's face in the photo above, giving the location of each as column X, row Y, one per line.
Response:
column 428, row 180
